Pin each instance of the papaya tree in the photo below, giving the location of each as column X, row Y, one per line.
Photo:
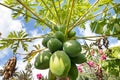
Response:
column 61, row 51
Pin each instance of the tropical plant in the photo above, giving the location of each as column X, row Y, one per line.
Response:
column 62, row 17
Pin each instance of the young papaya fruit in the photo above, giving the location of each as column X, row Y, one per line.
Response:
column 60, row 36
column 54, row 44
column 42, row 60
column 60, row 64
column 72, row 48
column 79, row 59
column 73, row 73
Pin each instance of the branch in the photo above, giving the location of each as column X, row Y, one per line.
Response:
column 84, row 20
column 31, row 38
column 67, row 12
column 56, row 12
column 17, row 11
column 35, row 14
column 33, row 51
column 48, row 8
column 59, row 4
column 80, row 19
column 86, row 37
column 70, row 14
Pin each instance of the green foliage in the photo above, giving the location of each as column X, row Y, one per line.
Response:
column 112, row 67
column 13, row 43
column 113, row 52
column 64, row 15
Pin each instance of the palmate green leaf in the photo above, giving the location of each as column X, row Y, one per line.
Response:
column 98, row 26
column 114, row 52
column 14, row 41
column 5, row 43
column 24, row 46
column 103, row 2
column 117, row 8
column 111, row 66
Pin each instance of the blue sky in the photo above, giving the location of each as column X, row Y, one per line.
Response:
column 7, row 24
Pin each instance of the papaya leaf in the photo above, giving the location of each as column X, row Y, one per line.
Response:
column 13, row 40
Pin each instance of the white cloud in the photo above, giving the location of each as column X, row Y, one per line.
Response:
column 87, row 31
column 7, row 24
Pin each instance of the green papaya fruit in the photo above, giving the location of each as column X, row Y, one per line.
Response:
column 72, row 48
column 79, row 59
column 60, row 36
column 42, row 60
column 54, row 44
column 60, row 64
column 73, row 73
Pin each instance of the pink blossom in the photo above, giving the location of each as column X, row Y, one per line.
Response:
column 103, row 57
column 92, row 52
column 90, row 63
column 79, row 69
column 39, row 76
column 101, row 51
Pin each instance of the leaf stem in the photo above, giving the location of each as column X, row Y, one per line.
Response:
column 34, row 51
column 67, row 11
column 85, row 37
column 77, row 37
column 30, row 38
column 56, row 11
column 81, row 18
column 59, row 4
column 84, row 20
column 69, row 17
column 48, row 8
column 70, row 14
column 35, row 14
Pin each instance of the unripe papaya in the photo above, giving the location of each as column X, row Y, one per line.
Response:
column 56, row 28
column 79, row 59
column 42, row 60
column 60, row 64
column 62, row 28
column 45, row 40
column 73, row 73
column 72, row 48
column 71, row 34
column 51, row 76
column 60, row 36
column 54, row 44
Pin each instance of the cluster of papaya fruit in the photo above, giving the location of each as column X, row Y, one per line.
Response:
column 61, row 56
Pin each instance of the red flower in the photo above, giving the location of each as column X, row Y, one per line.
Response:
column 79, row 69
column 103, row 57
column 90, row 63
column 39, row 76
